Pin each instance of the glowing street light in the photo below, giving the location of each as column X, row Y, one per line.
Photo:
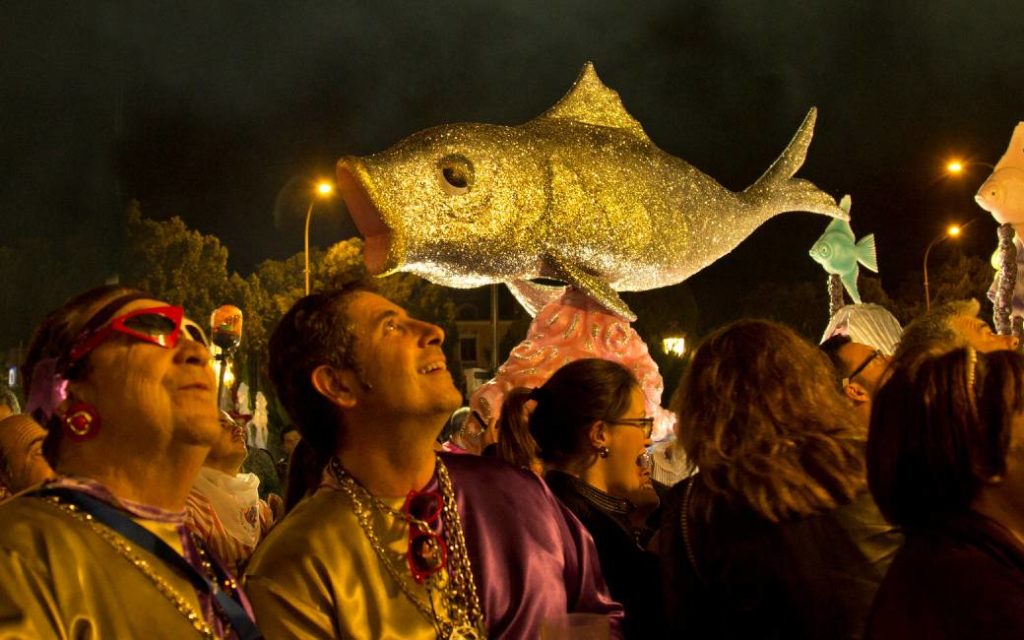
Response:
column 324, row 189
column 956, row 167
column 952, row 231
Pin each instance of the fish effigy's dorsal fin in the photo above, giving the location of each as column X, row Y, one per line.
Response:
column 590, row 101
column 839, row 225
column 1014, row 156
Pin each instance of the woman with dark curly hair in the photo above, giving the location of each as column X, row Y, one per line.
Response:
column 776, row 536
column 946, row 462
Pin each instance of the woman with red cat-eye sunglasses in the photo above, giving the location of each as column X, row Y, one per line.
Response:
column 131, row 413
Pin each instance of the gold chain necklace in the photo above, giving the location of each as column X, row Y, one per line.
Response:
column 466, row 619
column 128, row 552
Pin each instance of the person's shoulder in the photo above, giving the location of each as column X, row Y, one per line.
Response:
column 196, row 499
column 34, row 528
column 23, row 512
column 317, row 515
column 315, row 526
column 472, row 471
column 952, row 557
column 951, row 584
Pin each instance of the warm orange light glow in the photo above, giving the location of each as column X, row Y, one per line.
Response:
column 953, row 230
column 324, row 188
column 955, row 167
column 674, row 345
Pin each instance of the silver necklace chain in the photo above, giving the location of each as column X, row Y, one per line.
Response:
column 465, row 619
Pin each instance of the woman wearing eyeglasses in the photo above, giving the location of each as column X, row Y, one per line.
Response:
column 124, row 387
column 775, row 536
column 591, row 429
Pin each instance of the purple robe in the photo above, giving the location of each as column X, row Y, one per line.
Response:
column 531, row 557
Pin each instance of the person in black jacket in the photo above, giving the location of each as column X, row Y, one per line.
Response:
column 776, row 535
column 946, row 462
column 591, row 431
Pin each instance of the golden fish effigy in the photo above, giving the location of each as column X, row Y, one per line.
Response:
column 578, row 195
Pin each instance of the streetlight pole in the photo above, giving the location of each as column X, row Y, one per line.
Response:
column 951, row 232
column 309, row 214
column 323, row 189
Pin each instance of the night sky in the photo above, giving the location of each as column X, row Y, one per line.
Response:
column 220, row 112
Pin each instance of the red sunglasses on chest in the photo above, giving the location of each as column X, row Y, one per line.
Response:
column 161, row 326
column 427, row 553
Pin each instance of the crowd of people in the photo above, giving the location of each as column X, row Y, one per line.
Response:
column 871, row 486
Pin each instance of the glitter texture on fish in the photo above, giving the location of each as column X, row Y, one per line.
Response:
column 578, row 195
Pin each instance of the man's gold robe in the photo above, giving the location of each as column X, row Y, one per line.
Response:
column 318, row 576
column 60, row 579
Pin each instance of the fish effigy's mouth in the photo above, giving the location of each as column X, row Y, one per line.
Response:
column 380, row 255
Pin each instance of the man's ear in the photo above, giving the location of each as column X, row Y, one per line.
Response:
column 337, row 385
column 856, row 393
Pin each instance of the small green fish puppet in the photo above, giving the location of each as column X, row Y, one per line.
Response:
column 837, row 253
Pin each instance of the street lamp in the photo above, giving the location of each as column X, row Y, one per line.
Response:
column 323, row 189
column 952, row 231
column 674, row 345
column 956, row 167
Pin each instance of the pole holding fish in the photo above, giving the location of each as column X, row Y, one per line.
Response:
column 1006, row 281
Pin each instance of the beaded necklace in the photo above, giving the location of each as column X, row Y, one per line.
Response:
column 464, row 619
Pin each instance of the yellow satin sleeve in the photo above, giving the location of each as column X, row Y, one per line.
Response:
column 59, row 579
column 317, row 576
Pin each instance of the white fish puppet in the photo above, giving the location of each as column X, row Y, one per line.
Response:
column 1002, row 194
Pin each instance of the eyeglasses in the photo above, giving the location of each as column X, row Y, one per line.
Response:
column 860, row 368
column 647, row 424
column 161, row 326
column 427, row 553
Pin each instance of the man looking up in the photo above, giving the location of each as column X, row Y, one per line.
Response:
column 224, row 506
column 947, row 327
column 859, row 340
column 398, row 541
column 861, row 370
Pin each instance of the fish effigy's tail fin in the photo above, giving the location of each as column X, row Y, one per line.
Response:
column 849, row 280
column 782, row 192
column 865, row 252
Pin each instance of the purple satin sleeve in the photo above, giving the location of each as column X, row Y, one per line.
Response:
column 531, row 557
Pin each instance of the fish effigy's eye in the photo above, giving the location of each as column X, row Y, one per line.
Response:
column 456, row 173
column 455, row 177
